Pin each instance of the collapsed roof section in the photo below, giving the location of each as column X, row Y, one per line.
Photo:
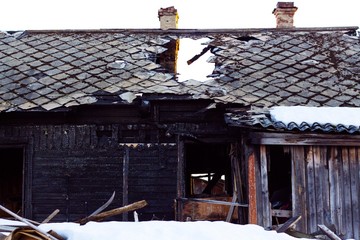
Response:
column 44, row 70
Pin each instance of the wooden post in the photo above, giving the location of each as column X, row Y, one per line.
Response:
column 266, row 209
column 125, row 180
column 328, row 232
column 180, row 179
column 252, row 189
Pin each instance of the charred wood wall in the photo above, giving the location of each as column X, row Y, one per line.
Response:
column 75, row 168
column 74, row 159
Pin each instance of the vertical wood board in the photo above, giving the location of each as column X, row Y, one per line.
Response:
column 267, row 222
column 299, row 186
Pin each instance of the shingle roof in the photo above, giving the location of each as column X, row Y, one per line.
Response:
column 265, row 121
column 45, row 70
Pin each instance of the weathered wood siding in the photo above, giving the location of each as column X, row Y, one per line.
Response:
column 325, row 188
column 331, row 188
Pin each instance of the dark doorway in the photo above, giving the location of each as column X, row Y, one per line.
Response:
column 279, row 181
column 11, row 179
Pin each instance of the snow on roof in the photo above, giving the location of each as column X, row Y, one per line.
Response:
column 159, row 230
column 346, row 116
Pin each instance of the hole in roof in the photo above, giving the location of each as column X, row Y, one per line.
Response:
column 193, row 61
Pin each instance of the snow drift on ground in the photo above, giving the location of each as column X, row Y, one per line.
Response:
column 334, row 115
column 163, row 230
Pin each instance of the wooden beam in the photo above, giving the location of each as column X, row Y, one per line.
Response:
column 269, row 138
column 267, row 220
column 214, row 202
column 328, row 232
column 288, row 224
column 281, row 213
column 252, row 189
column 180, row 178
column 99, row 217
column 126, row 180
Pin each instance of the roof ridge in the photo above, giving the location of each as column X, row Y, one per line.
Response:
column 187, row 31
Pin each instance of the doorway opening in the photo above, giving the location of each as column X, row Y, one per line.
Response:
column 11, row 179
column 208, row 178
column 279, row 183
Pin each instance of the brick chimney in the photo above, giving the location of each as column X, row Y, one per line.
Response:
column 168, row 18
column 284, row 13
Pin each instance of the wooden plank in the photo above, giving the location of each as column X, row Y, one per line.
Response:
column 298, row 180
column 318, row 188
column 288, row 224
column 180, row 177
column 214, row 202
column 126, row 160
column 311, row 192
column 325, row 184
column 237, row 184
column 267, row 219
column 334, row 185
column 347, row 216
column 310, row 139
column 328, row 232
column 354, row 183
column 252, row 190
column 231, row 209
column 281, row 213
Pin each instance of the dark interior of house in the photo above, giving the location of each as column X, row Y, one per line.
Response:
column 208, row 170
column 11, row 179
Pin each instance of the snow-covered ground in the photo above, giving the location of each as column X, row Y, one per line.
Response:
column 161, row 230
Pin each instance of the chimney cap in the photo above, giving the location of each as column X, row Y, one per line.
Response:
column 169, row 11
column 285, row 5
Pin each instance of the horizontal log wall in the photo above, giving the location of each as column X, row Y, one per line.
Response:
column 75, row 168
column 152, row 177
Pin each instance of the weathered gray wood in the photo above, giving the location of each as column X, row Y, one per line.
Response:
column 298, row 180
column 237, row 185
column 281, row 213
column 214, row 202
column 328, row 232
column 325, row 184
column 310, row 139
column 347, row 217
column 311, row 191
column 319, row 198
column 354, row 184
column 231, row 209
column 339, row 198
column 334, row 185
column 28, row 223
column 267, row 218
column 289, row 224
column 51, row 216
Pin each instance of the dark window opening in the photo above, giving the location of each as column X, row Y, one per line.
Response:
column 208, row 170
column 279, row 181
column 11, row 180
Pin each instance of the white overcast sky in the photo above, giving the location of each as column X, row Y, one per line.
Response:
column 100, row 14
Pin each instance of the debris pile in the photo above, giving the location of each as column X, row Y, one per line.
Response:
column 27, row 229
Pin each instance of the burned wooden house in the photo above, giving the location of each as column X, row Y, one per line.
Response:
column 86, row 113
